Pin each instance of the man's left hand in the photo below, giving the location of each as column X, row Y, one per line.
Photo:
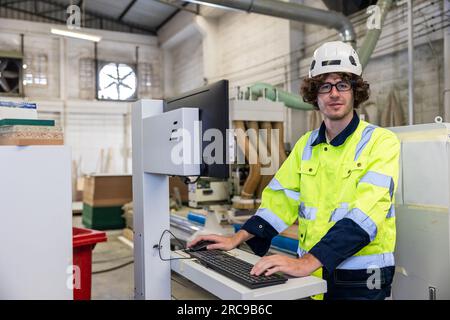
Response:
column 300, row 267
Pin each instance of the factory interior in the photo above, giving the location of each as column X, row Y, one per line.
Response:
column 129, row 128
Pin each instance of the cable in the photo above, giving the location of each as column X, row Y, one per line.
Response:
column 158, row 246
column 398, row 43
column 155, row 247
column 114, row 268
column 188, row 181
column 202, row 173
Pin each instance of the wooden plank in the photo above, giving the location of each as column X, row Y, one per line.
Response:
column 29, row 142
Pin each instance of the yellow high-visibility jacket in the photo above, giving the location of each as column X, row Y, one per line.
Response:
column 350, row 183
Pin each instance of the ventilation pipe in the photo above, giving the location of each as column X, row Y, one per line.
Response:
column 290, row 100
column 292, row 11
column 372, row 36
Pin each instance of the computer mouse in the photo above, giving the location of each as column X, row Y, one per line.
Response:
column 201, row 245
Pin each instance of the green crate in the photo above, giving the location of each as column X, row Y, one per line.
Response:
column 103, row 218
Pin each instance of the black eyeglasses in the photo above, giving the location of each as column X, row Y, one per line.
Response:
column 341, row 86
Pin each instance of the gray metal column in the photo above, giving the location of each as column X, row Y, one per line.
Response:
column 150, row 214
column 446, row 67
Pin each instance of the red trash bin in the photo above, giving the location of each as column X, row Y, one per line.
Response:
column 84, row 241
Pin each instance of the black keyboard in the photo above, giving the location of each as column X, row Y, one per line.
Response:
column 235, row 269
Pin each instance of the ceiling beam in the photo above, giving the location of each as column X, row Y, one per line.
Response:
column 88, row 14
column 32, row 12
column 178, row 6
column 12, row 2
column 125, row 11
column 48, row 11
column 171, row 16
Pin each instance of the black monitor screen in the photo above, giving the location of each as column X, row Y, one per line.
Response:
column 212, row 102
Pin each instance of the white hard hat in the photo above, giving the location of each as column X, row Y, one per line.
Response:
column 335, row 56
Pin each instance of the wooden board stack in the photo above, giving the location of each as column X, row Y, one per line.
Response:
column 20, row 126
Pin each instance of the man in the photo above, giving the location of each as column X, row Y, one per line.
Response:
column 339, row 182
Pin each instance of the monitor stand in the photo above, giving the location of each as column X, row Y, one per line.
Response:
column 152, row 265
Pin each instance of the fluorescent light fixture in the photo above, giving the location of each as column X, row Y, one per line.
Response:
column 78, row 35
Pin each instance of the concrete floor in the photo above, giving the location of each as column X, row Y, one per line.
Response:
column 118, row 284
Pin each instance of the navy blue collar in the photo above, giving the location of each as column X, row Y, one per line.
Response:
column 341, row 137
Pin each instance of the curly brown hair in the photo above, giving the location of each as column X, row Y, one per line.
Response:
column 310, row 87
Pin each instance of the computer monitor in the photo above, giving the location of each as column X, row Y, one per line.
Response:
column 212, row 102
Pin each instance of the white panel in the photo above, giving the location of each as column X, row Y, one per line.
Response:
column 422, row 253
column 36, row 215
column 425, row 177
column 171, row 143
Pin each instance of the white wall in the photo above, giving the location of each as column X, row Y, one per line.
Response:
column 240, row 47
column 187, row 69
column 253, row 48
column 90, row 126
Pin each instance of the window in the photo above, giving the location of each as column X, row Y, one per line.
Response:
column 116, row 81
column 40, row 76
column 27, row 70
column 35, row 70
column 145, row 78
